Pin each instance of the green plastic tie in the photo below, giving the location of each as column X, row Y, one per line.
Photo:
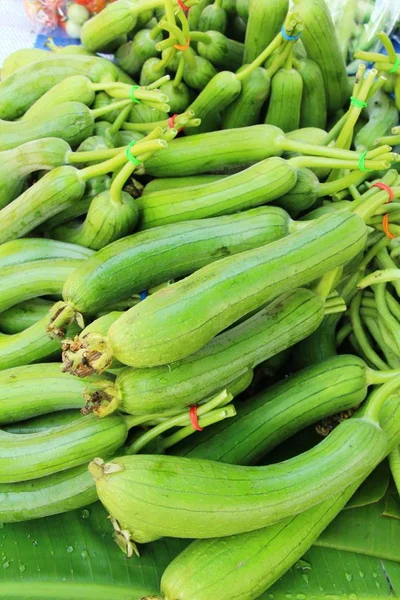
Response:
column 357, row 102
column 132, row 97
column 396, row 64
column 361, row 163
column 130, row 156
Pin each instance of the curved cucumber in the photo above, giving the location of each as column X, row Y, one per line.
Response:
column 44, row 422
column 148, row 258
column 273, row 415
column 246, row 109
column 264, row 22
column 21, row 316
column 39, row 278
column 222, row 51
column 313, row 102
column 180, row 319
column 25, row 250
column 153, row 496
column 31, row 456
column 261, row 183
column 171, row 183
column 281, row 324
column 77, row 88
column 33, row 390
column 18, row 163
column 285, row 101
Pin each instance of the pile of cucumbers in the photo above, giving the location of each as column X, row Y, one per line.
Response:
column 199, row 260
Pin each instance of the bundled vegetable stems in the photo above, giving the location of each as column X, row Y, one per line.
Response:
column 169, row 245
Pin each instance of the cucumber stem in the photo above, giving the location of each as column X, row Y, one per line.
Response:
column 327, row 282
column 200, row 36
column 78, row 158
column 378, row 397
column 289, row 145
column 381, row 276
column 179, row 72
column 371, row 56
column 123, row 115
column 179, row 121
column 257, row 62
column 367, row 209
column 384, row 313
column 361, row 336
column 211, row 418
column 103, row 110
column 103, row 168
column 331, row 187
column 319, row 161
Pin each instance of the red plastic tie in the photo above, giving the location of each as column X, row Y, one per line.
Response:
column 183, row 6
column 193, row 418
column 385, row 218
column 171, row 122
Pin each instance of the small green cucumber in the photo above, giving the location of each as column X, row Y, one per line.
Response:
column 291, row 317
column 183, row 317
column 198, row 76
column 148, row 258
column 141, row 113
column 151, row 71
column 322, row 46
column 51, row 495
column 105, row 222
column 313, row 101
column 209, row 105
column 179, row 96
column 263, row 182
column 269, row 552
column 16, row 164
column 32, row 390
column 76, row 88
column 23, row 315
column 31, row 456
column 237, row 28
column 19, row 91
column 264, row 22
column 171, row 183
column 222, row 51
column 277, row 413
column 37, row 278
column 285, row 100
column 383, row 116
column 246, row 109
column 26, row 56
column 72, row 122
column 56, row 191
column 116, row 19
column 25, row 250
column 302, row 195
column 153, row 496
column 101, row 100
column 242, row 9
column 31, row 345
column 213, row 18
column 44, row 422
column 132, row 55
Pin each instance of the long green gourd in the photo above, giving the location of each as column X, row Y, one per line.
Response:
column 322, row 46
column 30, row 345
column 220, row 50
column 278, row 412
column 181, row 319
column 285, row 100
column 148, row 258
column 34, row 390
column 171, row 183
column 18, row 252
column 268, row 552
column 38, row 278
column 264, row 22
column 44, row 422
column 21, row 316
column 153, row 496
column 19, row 91
column 313, row 101
column 291, row 317
column 32, row 456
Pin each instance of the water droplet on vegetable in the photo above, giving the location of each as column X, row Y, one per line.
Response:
column 85, row 513
column 35, row 543
column 301, row 597
column 361, row 574
column 349, row 576
column 305, row 577
column 6, row 565
column 288, row 596
column 22, row 568
column 84, row 554
column 271, row 596
column 353, row 597
column 1, row 525
column 70, row 549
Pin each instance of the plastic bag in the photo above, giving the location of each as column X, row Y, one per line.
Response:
column 47, row 15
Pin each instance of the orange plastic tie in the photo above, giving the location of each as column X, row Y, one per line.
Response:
column 385, row 218
column 194, row 419
column 183, row 47
column 171, row 122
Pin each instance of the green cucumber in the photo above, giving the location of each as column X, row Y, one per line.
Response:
column 18, row 252
column 76, row 88
column 291, row 317
column 72, row 122
column 151, row 71
column 44, row 422
column 31, row 345
column 213, row 18
column 23, row 315
column 242, row 9
column 246, row 110
column 263, row 182
column 148, row 258
column 275, row 414
column 222, row 51
column 285, row 100
column 105, row 222
column 198, row 76
column 269, row 552
column 179, row 96
column 264, row 22
column 31, row 456
column 32, row 390
column 56, row 191
column 172, row 183
column 382, row 117
column 153, row 496
column 37, row 278
column 237, row 28
column 132, row 55
column 322, row 46
column 19, row 91
column 180, row 319
column 313, row 102
column 16, row 164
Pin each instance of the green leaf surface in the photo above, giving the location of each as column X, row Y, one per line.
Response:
column 364, row 530
column 328, row 574
column 373, row 489
column 392, row 503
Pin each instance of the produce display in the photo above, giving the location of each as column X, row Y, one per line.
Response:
column 200, row 306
